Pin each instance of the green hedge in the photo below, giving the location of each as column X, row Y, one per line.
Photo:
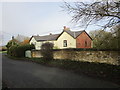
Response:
column 86, row 49
column 19, row 50
column 47, row 51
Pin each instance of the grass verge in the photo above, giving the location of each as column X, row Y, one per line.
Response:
column 96, row 70
column 3, row 51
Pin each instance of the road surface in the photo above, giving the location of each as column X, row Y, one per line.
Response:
column 24, row 74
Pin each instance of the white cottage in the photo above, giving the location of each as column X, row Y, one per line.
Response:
column 66, row 39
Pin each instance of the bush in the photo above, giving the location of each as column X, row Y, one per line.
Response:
column 12, row 42
column 87, row 49
column 19, row 50
column 47, row 51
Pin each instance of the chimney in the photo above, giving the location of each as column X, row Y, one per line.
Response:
column 50, row 33
column 12, row 37
column 65, row 28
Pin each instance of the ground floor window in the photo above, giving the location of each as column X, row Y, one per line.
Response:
column 85, row 43
column 65, row 43
column 78, row 44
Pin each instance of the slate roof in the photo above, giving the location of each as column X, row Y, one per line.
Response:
column 74, row 34
column 47, row 37
column 55, row 36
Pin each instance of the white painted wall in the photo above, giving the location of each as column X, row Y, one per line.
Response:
column 71, row 42
column 37, row 44
column 54, row 43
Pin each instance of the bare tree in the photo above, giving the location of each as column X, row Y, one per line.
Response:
column 105, row 14
column 84, row 14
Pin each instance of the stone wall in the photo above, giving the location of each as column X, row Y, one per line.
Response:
column 109, row 57
column 36, row 53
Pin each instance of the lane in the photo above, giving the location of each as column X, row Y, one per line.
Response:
column 0, row 70
column 22, row 74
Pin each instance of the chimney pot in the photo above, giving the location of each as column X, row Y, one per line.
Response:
column 50, row 33
column 65, row 28
column 12, row 37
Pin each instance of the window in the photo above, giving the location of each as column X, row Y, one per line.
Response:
column 85, row 43
column 90, row 44
column 65, row 43
column 78, row 44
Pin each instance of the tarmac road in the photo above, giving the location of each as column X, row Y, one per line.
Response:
column 24, row 74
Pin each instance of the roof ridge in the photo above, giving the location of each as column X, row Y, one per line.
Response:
column 74, row 34
column 78, row 31
column 49, row 35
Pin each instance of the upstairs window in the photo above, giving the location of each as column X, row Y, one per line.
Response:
column 65, row 43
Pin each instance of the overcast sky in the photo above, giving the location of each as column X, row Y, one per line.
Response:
column 32, row 18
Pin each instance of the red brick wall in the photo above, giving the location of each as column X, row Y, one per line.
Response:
column 83, row 41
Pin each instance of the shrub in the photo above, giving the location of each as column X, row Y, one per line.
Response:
column 19, row 50
column 12, row 50
column 11, row 43
column 89, row 49
column 47, row 51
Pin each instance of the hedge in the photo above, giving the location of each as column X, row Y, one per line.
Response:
column 19, row 50
column 47, row 51
column 86, row 49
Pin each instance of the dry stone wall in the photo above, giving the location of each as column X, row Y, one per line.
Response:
column 109, row 57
